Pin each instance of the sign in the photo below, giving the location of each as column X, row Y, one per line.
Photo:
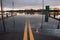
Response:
column 47, row 13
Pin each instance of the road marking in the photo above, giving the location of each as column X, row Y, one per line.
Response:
column 28, row 26
column 25, row 37
column 30, row 32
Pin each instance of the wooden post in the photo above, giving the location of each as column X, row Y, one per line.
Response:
column 2, row 17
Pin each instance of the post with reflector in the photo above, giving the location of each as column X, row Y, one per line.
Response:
column 47, row 13
column 58, row 27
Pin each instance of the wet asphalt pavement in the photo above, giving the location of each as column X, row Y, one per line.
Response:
column 16, row 32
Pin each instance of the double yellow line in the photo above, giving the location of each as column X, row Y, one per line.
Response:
column 28, row 27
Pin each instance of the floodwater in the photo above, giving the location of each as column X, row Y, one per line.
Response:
column 17, row 23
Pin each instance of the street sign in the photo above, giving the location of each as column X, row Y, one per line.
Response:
column 47, row 10
column 46, row 13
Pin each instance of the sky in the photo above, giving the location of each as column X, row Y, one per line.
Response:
column 29, row 4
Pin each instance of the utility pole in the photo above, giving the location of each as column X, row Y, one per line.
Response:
column 12, row 7
column 37, row 31
column 14, row 22
column 12, row 4
column 42, row 14
column 2, row 16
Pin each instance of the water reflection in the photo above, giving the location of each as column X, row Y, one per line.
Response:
column 35, row 20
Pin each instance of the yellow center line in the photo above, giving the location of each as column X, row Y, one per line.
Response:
column 28, row 26
column 25, row 37
column 30, row 32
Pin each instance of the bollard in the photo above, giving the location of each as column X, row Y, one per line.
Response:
column 58, row 24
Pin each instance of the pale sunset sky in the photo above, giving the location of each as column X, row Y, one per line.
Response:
column 29, row 4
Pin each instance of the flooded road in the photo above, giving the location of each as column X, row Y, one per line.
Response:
column 17, row 24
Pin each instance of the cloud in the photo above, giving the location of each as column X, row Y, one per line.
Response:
column 27, row 3
column 52, row 2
